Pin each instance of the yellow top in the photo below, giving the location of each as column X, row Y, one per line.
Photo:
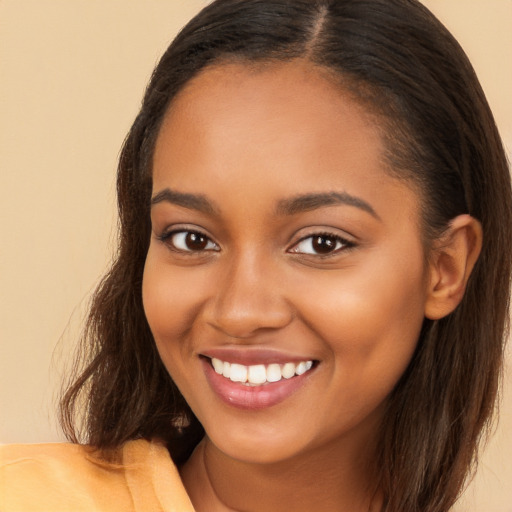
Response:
column 64, row 477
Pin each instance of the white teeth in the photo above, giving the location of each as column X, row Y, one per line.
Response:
column 218, row 365
column 301, row 368
column 274, row 373
column 288, row 370
column 259, row 373
column 238, row 373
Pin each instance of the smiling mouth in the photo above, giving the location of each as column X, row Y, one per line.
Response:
column 260, row 374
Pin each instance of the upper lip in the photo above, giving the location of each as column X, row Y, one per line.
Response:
column 253, row 356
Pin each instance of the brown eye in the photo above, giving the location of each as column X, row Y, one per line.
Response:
column 321, row 244
column 190, row 241
column 196, row 241
column 324, row 244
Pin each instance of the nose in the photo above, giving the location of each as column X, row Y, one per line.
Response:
column 249, row 299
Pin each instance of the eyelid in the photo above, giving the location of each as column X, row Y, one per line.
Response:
column 166, row 238
column 346, row 243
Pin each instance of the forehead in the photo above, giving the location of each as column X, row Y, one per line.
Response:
column 294, row 91
column 289, row 126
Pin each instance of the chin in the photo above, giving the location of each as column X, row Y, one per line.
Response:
column 257, row 445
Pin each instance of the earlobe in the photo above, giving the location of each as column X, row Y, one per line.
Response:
column 451, row 262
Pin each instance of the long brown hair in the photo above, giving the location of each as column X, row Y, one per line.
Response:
column 398, row 59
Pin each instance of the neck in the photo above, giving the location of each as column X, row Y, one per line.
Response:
column 337, row 477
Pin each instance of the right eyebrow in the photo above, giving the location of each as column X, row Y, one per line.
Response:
column 191, row 201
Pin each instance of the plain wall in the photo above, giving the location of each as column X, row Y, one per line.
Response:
column 72, row 74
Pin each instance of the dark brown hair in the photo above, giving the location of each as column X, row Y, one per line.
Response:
column 405, row 66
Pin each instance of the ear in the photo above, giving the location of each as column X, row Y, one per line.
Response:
column 451, row 261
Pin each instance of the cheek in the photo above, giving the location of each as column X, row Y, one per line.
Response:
column 369, row 316
column 369, row 328
column 172, row 296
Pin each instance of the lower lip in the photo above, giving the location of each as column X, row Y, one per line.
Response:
column 252, row 397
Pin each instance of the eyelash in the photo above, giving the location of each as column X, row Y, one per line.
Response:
column 167, row 239
column 340, row 243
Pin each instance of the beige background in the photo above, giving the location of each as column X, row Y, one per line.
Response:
column 72, row 73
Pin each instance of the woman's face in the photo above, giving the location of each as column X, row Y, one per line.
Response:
column 280, row 246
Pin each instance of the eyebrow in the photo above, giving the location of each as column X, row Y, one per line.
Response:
column 308, row 202
column 291, row 206
column 190, row 201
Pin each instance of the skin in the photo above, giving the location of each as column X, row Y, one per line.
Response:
column 246, row 141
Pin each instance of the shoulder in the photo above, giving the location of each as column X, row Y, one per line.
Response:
column 63, row 477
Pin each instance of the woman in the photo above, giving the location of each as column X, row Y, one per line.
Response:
column 313, row 273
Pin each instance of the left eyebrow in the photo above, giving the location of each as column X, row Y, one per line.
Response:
column 308, row 202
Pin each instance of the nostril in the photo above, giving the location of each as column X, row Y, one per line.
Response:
column 249, row 317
